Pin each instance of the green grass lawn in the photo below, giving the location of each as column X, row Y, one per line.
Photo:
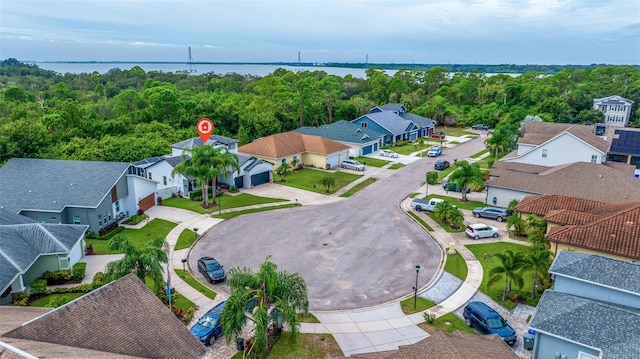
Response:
column 139, row 237
column 409, row 148
column 476, row 155
column 358, row 187
column 456, row 265
column 252, row 210
column 186, row 239
column 446, row 323
column 444, row 226
column 442, row 174
column 421, row 305
column 456, row 201
column 396, row 166
column 307, row 318
column 373, row 162
column 458, row 132
column 188, row 278
column 484, row 253
column 309, row 179
column 227, row 201
column 421, row 221
column 58, row 299
column 308, row 346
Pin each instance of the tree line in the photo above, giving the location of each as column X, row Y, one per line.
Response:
column 127, row 115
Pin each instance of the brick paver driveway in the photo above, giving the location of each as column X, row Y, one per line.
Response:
column 354, row 253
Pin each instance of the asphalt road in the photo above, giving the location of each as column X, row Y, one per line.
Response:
column 352, row 254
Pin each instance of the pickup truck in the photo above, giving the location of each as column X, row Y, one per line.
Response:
column 428, row 205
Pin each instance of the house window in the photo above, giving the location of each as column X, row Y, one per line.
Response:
column 284, row 161
column 620, row 119
column 594, row 158
column 612, row 108
column 164, row 180
column 118, row 206
column 620, row 108
column 53, row 218
column 150, row 177
column 612, row 118
column 544, row 153
column 76, row 219
column 363, row 124
column 41, row 219
column 99, row 219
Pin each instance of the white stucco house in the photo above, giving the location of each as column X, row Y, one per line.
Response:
column 616, row 109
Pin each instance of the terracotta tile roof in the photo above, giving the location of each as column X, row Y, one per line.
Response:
column 541, row 205
column 617, row 234
column 291, row 143
column 591, row 181
column 564, row 217
column 456, row 345
column 122, row 317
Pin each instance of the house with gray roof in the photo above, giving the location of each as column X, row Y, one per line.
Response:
column 182, row 147
column 361, row 140
column 395, row 123
column 592, row 312
column 29, row 248
column 91, row 193
column 121, row 319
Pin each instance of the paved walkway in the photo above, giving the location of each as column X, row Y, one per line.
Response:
column 379, row 328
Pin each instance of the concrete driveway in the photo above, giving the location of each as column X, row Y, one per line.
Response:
column 352, row 253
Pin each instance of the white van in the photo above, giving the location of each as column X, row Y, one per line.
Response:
column 428, row 205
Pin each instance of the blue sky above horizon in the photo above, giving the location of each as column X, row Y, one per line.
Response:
column 437, row 32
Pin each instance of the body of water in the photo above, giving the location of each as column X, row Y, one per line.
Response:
column 220, row 69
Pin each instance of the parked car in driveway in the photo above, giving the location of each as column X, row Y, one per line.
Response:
column 488, row 321
column 388, row 153
column 441, row 165
column 352, row 165
column 453, row 187
column 208, row 327
column 434, row 151
column 480, row 127
column 499, row 214
column 211, row 269
column 481, row 230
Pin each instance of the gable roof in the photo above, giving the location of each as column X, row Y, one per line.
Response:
column 612, row 100
column 418, row 120
column 343, row 131
column 541, row 205
column 52, row 185
column 616, row 234
column 591, row 181
column 597, row 269
column 122, row 317
column 214, row 140
column 393, row 107
column 537, row 133
column 290, row 143
column 389, row 121
column 456, row 345
column 614, row 331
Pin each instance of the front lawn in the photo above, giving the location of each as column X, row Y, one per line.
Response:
column 410, row 148
column 186, row 239
column 195, row 284
column 308, row 346
column 456, row 265
column 396, row 166
column 456, row 201
column 373, row 162
column 447, row 323
column 444, row 226
column 358, row 187
column 139, row 237
column 485, row 254
column 309, row 179
column 458, row 132
column 227, row 200
column 421, row 305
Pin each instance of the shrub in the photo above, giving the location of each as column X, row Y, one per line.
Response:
column 89, row 250
column 133, row 220
column 78, row 270
column 60, row 290
column 159, row 201
column 112, row 233
column 108, row 229
column 39, row 286
column 56, row 302
column 429, row 317
column 140, row 211
column 233, row 189
column 91, row 235
column 98, row 279
column 21, row 298
column 56, row 277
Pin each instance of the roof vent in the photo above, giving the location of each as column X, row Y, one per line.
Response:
column 599, row 176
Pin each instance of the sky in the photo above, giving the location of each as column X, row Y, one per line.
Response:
column 554, row 32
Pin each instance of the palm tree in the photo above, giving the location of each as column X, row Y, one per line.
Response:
column 267, row 298
column 442, row 209
column 327, row 182
column 226, row 163
column 144, row 262
column 466, row 175
column 539, row 261
column 283, row 171
column 510, row 268
column 455, row 217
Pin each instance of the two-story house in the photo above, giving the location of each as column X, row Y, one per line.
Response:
column 395, row 123
column 593, row 311
column 616, row 109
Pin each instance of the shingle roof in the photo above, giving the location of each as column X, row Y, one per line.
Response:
column 537, row 133
column 52, row 185
column 592, row 181
column 214, row 140
column 419, row 120
column 342, row 131
column 615, row 331
column 617, row 234
column 612, row 100
column 390, row 121
column 597, row 269
column 393, row 107
column 122, row 317
column 23, row 243
column 148, row 162
column 456, row 345
column 291, row 143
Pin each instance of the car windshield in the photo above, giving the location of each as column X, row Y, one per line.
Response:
column 356, row 162
column 495, row 323
column 213, row 266
column 207, row 321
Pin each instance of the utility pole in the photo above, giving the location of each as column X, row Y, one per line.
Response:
column 191, row 67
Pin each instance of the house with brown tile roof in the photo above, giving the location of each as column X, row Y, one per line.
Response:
column 608, row 229
column 553, row 144
column 456, row 345
column 589, row 181
column 122, row 319
column 293, row 148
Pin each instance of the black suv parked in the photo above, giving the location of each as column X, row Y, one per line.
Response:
column 488, row 321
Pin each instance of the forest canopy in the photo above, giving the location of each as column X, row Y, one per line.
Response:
column 128, row 115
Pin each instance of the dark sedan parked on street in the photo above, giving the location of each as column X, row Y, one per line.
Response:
column 499, row 214
column 211, row 269
column 441, row 165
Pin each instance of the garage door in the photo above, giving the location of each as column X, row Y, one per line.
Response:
column 147, row 202
column 260, row 178
column 239, row 181
column 367, row 150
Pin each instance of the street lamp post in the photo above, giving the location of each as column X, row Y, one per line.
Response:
column 415, row 289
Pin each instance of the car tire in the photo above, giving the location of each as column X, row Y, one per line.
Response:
column 212, row 339
column 419, row 208
column 467, row 321
column 476, row 237
column 499, row 219
column 477, row 215
column 495, row 235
